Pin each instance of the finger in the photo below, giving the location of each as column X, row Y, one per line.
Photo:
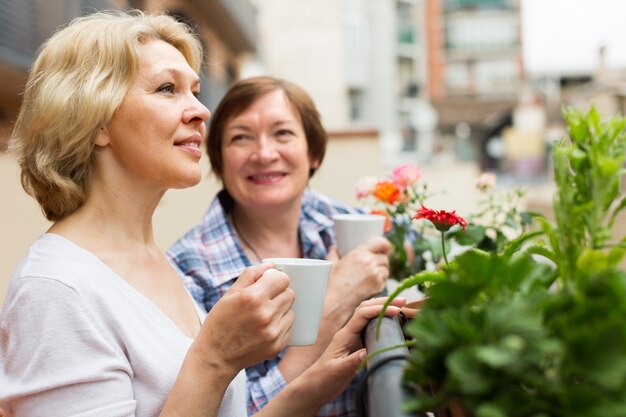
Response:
column 354, row 360
column 333, row 254
column 416, row 304
column 383, row 260
column 377, row 244
column 272, row 283
column 250, row 275
column 286, row 322
column 282, row 302
column 398, row 301
column 410, row 312
column 364, row 314
column 383, row 272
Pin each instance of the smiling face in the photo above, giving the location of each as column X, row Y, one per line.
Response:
column 155, row 135
column 265, row 155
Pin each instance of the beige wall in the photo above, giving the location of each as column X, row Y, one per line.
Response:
column 312, row 56
column 21, row 221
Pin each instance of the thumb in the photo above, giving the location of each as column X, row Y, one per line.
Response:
column 251, row 275
column 355, row 360
column 333, row 254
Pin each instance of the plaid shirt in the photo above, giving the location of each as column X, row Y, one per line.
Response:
column 210, row 257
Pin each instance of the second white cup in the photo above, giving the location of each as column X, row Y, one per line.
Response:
column 353, row 229
column 309, row 280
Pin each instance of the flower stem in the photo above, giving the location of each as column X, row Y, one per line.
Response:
column 443, row 249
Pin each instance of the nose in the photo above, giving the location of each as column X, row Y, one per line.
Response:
column 196, row 111
column 265, row 150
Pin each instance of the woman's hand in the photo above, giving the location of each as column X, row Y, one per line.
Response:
column 250, row 323
column 346, row 352
column 361, row 273
column 334, row 370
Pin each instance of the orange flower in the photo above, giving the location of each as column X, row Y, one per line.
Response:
column 441, row 219
column 387, row 192
column 387, row 218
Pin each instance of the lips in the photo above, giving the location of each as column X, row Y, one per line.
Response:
column 190, row 144
column 267, row 177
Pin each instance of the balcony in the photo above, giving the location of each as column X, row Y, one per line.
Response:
column 24, row 25
column 454, row 5
column 406, row 35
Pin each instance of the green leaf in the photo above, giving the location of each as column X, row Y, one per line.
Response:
column 472, row 235
column 466, row 370
column 616, row 255
column 496, row 356
column 490, row 410
column 578, row 159
column 591, row 261
column 620, row 206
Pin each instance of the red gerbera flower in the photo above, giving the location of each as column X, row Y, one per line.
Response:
column 443, row 220
column 387, row 192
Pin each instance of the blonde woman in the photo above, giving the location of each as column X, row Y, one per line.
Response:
column 96, row 322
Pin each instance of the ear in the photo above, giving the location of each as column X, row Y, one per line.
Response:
column 102, row 137
column 315, row 164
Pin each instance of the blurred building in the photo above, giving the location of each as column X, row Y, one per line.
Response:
column 363, row 62
column 604, row 87
column 386, row 75
column 475, row 72
column 227, row 29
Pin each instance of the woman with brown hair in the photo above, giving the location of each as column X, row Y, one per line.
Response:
column 265, row 141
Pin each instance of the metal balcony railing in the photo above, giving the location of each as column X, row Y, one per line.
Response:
column 25, row 24
column 384, row 392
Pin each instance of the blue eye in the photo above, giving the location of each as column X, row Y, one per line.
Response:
column 166, row 88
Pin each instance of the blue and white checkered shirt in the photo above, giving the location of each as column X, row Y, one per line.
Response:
column 210, row 257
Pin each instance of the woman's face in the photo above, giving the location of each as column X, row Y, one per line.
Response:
column 265, row 154
column 156, row 133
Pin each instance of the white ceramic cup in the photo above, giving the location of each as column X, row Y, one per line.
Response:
column 353, row 229
column 309, row 280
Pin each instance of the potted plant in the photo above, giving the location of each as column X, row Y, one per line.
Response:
column 537, row 326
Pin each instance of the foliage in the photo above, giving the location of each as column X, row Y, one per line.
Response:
column 536, row 327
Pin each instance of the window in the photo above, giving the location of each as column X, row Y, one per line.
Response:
column 482, row 32
column 356, row 98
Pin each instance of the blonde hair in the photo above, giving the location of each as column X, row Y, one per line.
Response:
column 77, row 81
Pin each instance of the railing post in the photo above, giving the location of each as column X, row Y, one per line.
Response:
column 386, row 392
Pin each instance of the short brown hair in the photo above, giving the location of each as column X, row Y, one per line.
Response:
column 243, row 94
column 79, row 79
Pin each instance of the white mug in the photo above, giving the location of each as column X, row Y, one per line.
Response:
column 353, row 229
column 309, row 280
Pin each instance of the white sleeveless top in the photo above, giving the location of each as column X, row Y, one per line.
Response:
column 77, row 339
